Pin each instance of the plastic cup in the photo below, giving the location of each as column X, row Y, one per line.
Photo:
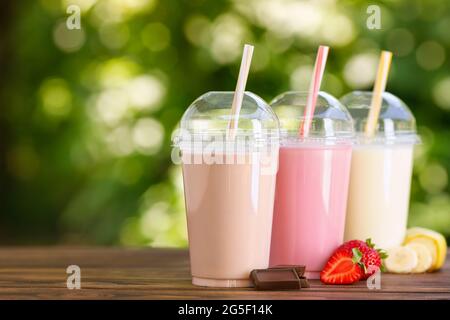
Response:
column 381, row 170
column 312, row 182
column 229, row 187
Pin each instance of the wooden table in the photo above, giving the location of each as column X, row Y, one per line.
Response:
column 116, row 273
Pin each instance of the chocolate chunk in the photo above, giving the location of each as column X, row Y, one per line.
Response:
column 304, row 282
column 298, row 268
column 281, row 277
column 276, row 279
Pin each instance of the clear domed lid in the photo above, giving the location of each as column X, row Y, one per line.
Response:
column 208, row 118
column 396, row 123
column 331, row 121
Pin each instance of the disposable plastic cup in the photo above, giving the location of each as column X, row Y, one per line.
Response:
column 229, row 187
column 312, row 182
column 380, row 179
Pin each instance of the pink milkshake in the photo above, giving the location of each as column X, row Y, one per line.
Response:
column 229, row 187
column 312, row 183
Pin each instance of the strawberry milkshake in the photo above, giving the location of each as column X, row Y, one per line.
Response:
column 312, row 182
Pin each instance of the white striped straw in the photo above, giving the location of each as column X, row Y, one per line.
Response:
column 239, row 92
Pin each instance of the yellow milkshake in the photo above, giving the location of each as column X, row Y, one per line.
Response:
column 381, row 169
column 380, row 181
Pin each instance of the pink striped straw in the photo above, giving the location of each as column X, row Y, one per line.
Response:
column 314, row 88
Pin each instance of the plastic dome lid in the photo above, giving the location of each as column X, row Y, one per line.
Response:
column 208, row 117
column 331, row 123
column 396, row 123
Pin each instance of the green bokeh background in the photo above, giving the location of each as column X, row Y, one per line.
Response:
column 87, row 115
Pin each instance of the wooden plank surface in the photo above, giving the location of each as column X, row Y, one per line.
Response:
column 116, row 273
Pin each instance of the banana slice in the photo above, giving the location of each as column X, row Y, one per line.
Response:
column 429, row 244
column 434, row 241
column 424, row 258
column 401, row 260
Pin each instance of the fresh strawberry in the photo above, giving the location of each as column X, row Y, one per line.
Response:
column 343, row 267
column 361, row 245
column 372, row 259
column 372, row 262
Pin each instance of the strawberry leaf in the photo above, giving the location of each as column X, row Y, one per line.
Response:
column 383, row 254
column 363, row 267
column 357, row 255
column 369, row 243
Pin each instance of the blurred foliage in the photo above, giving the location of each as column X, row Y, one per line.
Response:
column 87, row 115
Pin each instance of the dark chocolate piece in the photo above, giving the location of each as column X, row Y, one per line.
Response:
column 298, row 268
column 276, row 279
column 304, row 282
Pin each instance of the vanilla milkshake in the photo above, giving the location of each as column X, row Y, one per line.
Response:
column 380, row 182
column 381, row 169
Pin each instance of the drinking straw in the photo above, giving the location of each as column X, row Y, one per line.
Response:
column 314, row 87
column 378, row 89
column 240, row 89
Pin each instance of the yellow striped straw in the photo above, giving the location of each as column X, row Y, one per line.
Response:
column 378, row 89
